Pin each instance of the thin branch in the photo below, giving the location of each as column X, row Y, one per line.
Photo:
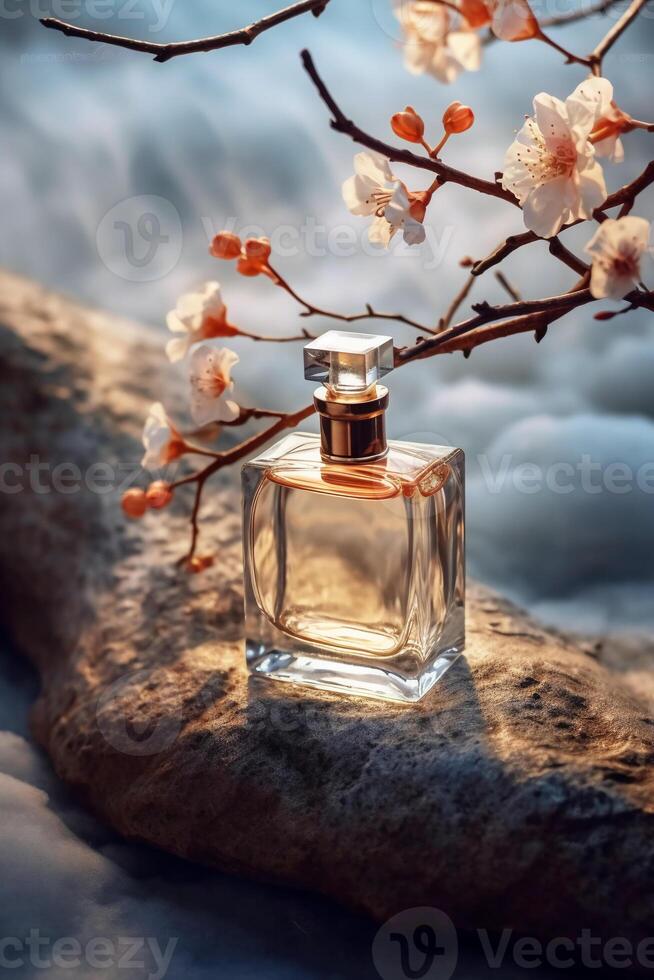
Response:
column 369, row 314
column 630, row 192
column 485, row 313
column 460, row 297
column 504, row 249
column 164, row 52
column 286, row 420
column 247, row 414
column 625, row 196
column 562, row 20
column 264, row 338
column 342, row 124
column 507, row 286
column 568, row 55
column 530, row 322
column 559, row 251
column 612, row 36
column 520, row 317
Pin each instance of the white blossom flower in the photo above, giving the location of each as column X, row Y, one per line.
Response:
column 512, row 20
column 608, row 119
column 616, row 249
column 373, row 190
column 161, row 440
column 210, row 382
column 198, row 316
column 438, row 41
column 551, row 166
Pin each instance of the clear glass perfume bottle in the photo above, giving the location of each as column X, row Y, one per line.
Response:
column 354, row 548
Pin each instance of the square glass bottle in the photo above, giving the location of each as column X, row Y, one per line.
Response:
column 354, row 548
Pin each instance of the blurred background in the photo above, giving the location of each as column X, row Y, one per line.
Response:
column 95, row 138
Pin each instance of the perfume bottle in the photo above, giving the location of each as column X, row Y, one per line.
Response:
column 354, row 547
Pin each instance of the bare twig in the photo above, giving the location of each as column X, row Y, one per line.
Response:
column 485, row 313
column 342, row 124
column 559, row 251
column 460, row 297
column 562, row 20
column 286, row 420
column 568, row 55
column 522, row 316
column 368, row 314
column 530, row 322
column 625, row 196
column 265, row 338
column 571, row 16
column 164, row 52
column 247, row 414
column 612, row 36
column 507, row 286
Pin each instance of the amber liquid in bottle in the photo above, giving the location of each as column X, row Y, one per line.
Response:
column 354, row 572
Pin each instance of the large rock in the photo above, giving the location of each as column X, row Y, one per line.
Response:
column 520, row 793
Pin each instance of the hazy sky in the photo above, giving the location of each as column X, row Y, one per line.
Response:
column 239, row 137
column 95, row 136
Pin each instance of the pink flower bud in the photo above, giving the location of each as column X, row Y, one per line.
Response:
column 257, row 250
column 457, row 118
column 134, row 503
column 225, row 245
column 159, row 494
column 408, row 125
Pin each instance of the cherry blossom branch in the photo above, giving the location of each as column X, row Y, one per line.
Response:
column 559, row 251
column 530, row 322
column 607, row 42
column 485, row 313
column 369, row 314
column 625, row 196
column 247, row 414
column 460, row 297
column 567, row 54
column 265, row 338
column 563, row 20
column 285, row 420
column 594, row 60
column 572, row 16
column 164, row 52
column 341, row 124
column 507, row 286
column 465, row 335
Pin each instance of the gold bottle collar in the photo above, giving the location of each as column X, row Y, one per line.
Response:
column 352, row 426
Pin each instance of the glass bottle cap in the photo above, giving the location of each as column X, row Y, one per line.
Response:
column 348, row 362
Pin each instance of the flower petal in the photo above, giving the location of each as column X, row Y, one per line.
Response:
column 513, row 20
column 357, row 194
column 210, row 380
column 551, row 117
column 545, row 208
column 177, row 348
column 174, row 323
column 612, row 148
column 381, row 231
column 465, row 47
column 374, row 166
column 413, row 232
column 157, row 433
column 592, row 190
column 589, row 102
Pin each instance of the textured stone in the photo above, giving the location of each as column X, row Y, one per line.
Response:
column 519, row 794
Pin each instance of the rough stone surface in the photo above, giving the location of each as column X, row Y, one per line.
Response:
column 519, row 794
